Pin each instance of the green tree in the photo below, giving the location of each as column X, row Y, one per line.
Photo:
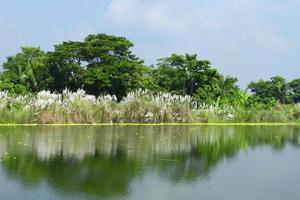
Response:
column 266, row 91
column 280, row 89
column 116, row 70
column 103, row 64
column 66, row 66
column 100, row 64
column 185, row 74
column 26, row 71
column 229, row 93
column 294, row 88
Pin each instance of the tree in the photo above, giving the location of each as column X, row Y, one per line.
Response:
column 104, row 64
column 229, row 93
column 294, row 89
column 27, row 70
column 280, row 89
column 100, row 64
column 264, row 91
column 185, row 74
column 116, row 70
column 66, row 66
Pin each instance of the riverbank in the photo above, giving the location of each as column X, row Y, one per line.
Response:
column 159, row 124
column 139, row 107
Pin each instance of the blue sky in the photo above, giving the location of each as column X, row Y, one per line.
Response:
column 249, row 39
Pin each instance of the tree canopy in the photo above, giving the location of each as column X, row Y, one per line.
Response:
column 105, row 64
column 26, row 71
column 275, row 89
column 186, row 74
column 100, row 64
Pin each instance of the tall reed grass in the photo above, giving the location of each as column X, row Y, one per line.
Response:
column 137, row 107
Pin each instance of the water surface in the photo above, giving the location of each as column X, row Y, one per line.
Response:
column 150, row 162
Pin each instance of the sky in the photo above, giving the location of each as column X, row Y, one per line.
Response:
column 247, row 39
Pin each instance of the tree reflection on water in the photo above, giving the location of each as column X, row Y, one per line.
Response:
column 104, row 161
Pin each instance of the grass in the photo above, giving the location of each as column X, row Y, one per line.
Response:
column 137, row 108
column 161, row 124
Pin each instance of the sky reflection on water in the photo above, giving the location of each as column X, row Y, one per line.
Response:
column 150, row 162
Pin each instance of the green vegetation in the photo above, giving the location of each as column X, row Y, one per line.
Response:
column 99, row 80
column 137, row 107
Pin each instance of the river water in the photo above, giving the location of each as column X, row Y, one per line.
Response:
column 150, row 162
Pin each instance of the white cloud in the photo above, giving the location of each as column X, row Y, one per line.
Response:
column 238, row 36
column 200, row 23
column 162, row 16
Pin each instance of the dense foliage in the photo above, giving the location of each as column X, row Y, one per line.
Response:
column 274, row 90
column 186, row 75
column 104, row 64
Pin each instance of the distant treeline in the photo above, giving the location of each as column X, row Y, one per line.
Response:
column 104, row 64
